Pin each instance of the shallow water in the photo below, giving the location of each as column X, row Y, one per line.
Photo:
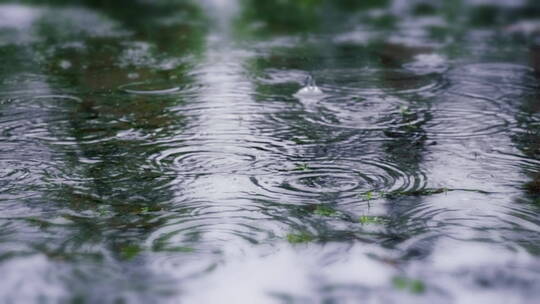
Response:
column 222, row 152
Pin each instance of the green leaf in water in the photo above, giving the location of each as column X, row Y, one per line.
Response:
column 408, row 284
column 325, row 211
column 372, row 195
column 369, row 195
column 417, row 287
column 421, row 192
column 368, row 219
column 179, row 249
column 104, row 211
column 404, row 110
column 129, row 252
column 301, row 167
column 297, row 238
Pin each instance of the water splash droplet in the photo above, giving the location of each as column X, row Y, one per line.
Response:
column 310, row 93
column 310, row 88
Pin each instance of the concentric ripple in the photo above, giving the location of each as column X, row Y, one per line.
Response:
column 185, row 148
column 365, row 82
column 12, row 172
column 466, row 123
column 214, row 160
column 346, row 178
column 158, row 88
column 498, row 75
column 57, row 102
column 370, row 113
column 148, row 88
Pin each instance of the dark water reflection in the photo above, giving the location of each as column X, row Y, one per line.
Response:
column 169, row 152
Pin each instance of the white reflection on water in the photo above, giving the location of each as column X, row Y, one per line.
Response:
column 456, row 268
column 298, row 272
column 482, row 273
column 309, row 274
column 16, row 23
column 17, row 16
column 27, row 283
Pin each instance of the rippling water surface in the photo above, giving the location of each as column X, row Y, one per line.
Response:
column 270, row 152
